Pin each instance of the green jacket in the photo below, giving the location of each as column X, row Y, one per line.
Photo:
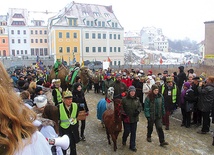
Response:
column 154, row 109
column 130, row 106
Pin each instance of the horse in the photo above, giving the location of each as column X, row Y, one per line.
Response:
column 84, row 73
column 113, row 122
column 105, row 103
column 62, row 73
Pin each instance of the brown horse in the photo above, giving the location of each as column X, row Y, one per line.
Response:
column 63, row 72
column 113, row 122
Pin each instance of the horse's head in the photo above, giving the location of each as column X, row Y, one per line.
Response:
column 110, row 93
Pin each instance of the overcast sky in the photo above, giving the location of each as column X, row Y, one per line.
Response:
column 177, row 18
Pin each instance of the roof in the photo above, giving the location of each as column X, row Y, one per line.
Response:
column 86, row 12
column 209, row 22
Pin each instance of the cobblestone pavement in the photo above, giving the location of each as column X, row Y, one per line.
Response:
column 182, row 141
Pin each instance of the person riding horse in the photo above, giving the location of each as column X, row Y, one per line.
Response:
column 57, row 64
column 72, row 75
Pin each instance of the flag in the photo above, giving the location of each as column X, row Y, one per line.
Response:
column 109, row 60
column 161, row 61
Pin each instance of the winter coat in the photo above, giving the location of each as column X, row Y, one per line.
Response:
column 189, row 97
column 206, row 97
column 154, row 109
column 131, row 108
column 79, row 98
column 181, row 77
column 48, row 93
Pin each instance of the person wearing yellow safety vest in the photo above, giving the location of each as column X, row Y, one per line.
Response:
column 171, row 96
column 56, row 93
column 68, row 124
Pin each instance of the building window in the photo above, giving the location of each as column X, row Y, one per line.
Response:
column 13, row 41
column 116, row 27
column 115, row 49
column 21, row 51
column 118, row 49
column 24, row 31
column 67, row 34
column 99, row 49
column 94, row 49
column 45, row 51
column 68, row 49
column 104, row 49
column 31, row 40
column 72, row 22
column 87, row 49
column 19, row 41
column 18, row 31
column 112, row 24
column 40, row 40
column 93, row 36
column 75, row 35
column 36, row 32
column 110, row 49
column 99, row 35
column 3, row 41
column 17, row 51
column 37, row 51
column 88, row 23
column 110, row 36
column 31, row 32
column 118, row 36
column 41, row 51
column 60, row 49
column 92, row 23
column 75, row 49
column 99, row 23
column 115, row 63
column 86, row 35
column 60, row 34
column 36, row 40
column 12, row 31
column 104, row 36
column 25, row 41
column 40, row 31
column 25, row 51
column 45, row 31
column 115, row 36
column 103, row 24
column 45, row 40
column 13, row 52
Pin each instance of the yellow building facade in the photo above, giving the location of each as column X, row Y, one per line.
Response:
column 66, row 44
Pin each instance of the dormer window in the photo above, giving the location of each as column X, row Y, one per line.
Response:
column 97, row 14
column 18, row 23
column 85, row 13
column 72, row 21
column 107, row 15
column 18, row 15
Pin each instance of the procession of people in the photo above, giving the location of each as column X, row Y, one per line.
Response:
column 156, row 96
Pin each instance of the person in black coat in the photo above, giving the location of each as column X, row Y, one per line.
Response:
column 181, row 77
column 79, row 98
column 205, row 102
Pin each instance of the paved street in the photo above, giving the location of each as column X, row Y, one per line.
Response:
column 181, row 140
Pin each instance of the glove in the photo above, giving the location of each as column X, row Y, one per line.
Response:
column 136, row 113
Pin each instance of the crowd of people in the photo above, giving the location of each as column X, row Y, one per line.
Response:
column 56, row 111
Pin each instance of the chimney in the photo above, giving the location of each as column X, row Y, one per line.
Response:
column 109, row 8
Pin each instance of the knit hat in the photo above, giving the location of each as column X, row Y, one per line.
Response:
column 40, row 101
column 157, row 80
column 131, row 88
column 154, row 86
column 187, row 84
column 117, row 75
column 169, row 79
column 165, row 72
column 150, row 72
